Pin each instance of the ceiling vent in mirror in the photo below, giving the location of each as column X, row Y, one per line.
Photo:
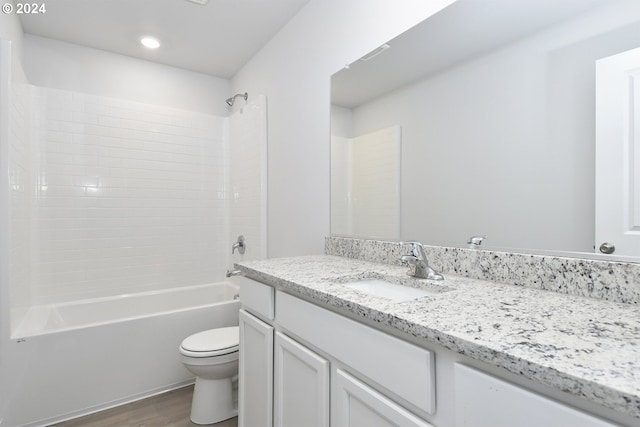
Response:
column 375, row 52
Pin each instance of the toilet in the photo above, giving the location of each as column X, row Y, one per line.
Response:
column 212, row 356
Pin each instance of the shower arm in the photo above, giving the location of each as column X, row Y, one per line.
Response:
column 232, row 100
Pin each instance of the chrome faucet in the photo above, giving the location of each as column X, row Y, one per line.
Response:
column 419, row 266
column 233, row 273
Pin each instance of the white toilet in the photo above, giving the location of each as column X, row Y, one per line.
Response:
column 212, row 356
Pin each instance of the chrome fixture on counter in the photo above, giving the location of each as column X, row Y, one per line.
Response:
column 474, row 242
column 240, row 245
column 417, row 260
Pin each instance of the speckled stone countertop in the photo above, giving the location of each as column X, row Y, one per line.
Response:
column 589, row 348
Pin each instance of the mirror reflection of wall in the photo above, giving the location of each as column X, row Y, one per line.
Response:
column 365, row 182
column 498, row 126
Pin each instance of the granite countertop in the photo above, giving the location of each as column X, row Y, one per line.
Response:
column 589, row 348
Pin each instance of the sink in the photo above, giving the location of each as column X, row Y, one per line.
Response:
column 392, row 291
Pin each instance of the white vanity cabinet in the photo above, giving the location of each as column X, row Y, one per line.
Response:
column 304, row 365
column 354, row 404
column 482, row 400
column 301, row 385
column 255, row 372
column 255, row 380
column 319, row 357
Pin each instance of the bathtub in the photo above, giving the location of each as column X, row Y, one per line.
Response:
column 44, row 319
column 76, row 358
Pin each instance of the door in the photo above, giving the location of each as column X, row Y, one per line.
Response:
column 618, row 154
column 301, row 381
column 255, row 379
column 357, row 405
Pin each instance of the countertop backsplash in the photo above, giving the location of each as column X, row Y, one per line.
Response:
column 606, row 280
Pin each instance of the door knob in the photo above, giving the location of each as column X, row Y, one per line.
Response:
column 607, row 248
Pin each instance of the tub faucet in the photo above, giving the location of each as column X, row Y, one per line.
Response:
column 419, row 266
column 233, row 273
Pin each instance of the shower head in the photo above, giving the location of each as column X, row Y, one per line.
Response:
column 231, row 100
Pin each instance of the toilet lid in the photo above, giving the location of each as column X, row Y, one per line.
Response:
column 213, row 342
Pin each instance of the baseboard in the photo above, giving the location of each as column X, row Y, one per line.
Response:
column 112, row 404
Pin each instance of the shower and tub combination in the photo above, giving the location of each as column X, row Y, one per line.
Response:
column 121, row 218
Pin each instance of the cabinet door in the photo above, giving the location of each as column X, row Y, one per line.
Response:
column 255, row 380
column 485, row 401
column 357, row 405
column 301, row 380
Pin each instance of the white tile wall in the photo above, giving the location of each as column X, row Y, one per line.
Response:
column 111, row 197
column 247, row 153
column 19, row 198
column 130, row 197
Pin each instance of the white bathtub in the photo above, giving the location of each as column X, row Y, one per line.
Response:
column 82, row 357
column 44, row 319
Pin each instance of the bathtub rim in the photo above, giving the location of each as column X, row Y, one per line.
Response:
column 20, row 337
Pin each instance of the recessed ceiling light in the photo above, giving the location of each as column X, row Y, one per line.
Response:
column 150, row 42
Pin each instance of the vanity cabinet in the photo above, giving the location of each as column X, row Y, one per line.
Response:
column 482, row 400
column 255, row 372
column 354, row 404
column 304, row 365
column 301, row 385
column 255, row 363
column 320, row 357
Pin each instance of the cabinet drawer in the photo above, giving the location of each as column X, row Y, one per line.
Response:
column 256, row 297
column 402, row 368
column 485, row 401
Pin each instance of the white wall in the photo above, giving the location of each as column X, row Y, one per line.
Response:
column 55, row 64
column 478, row 160
column 365, row 184
column 11, row 30
column 293, row 70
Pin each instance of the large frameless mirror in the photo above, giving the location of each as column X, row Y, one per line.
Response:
column 493, row 104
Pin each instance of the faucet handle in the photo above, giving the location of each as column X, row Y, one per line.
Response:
column 417, row 249
column 475, row 241
column 240, row 244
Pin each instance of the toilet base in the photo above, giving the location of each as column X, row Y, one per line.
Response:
column 213, row 401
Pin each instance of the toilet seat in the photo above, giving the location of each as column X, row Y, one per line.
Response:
column 211, row 343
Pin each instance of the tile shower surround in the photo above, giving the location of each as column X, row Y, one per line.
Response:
column 20, row 172
column 124, row 196
column 605, row 280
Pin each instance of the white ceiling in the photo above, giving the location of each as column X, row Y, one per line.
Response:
column 216, row 39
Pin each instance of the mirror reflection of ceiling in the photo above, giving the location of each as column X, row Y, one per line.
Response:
column 496, row 102
column 465, row 29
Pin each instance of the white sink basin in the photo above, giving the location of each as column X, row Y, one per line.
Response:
column 392, row 291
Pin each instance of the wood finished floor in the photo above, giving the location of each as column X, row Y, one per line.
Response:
column 169, row 409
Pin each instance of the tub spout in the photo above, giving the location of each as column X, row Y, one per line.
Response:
column 233, row 273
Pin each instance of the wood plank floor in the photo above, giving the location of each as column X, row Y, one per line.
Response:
column 169, row 409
